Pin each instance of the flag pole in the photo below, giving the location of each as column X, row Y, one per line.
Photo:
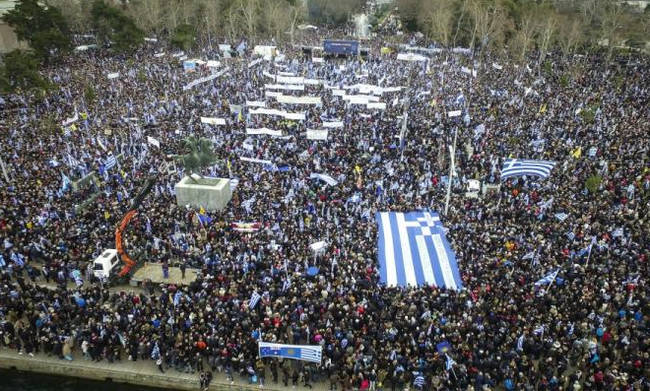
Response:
column 589, row 253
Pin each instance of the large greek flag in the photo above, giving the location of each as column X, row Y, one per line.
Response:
column 521, row 167
column 110, row 162
column 413, row 251
column 312, row 353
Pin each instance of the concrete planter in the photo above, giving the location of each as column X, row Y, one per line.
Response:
column 209, row 193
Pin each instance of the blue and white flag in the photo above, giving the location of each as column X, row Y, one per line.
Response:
column 521, row 167
column 286, row 285
column 255, row 297
column 311, row 353
column 2, row 261
column 110, row 162
column 18, row 259
column 450, row 362
column 549, row 278
column 413, row 251
column 65, row 183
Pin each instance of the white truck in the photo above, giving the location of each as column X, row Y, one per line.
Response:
column 104, row 264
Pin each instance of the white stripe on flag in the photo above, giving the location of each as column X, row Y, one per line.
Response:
column 429, row 278
column 443, row 260
column 391, row 273
column 407, row 257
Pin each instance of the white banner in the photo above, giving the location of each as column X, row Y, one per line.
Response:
column 333, row 124
column 204, row 79
column 288, row 87
column 150, row 39
column 253, row 160
column 496, row 66
column 411, row 57
column 376, row 105
column 361, row 99
column 317, row 134
column 213, row 121
column 336, row 92
column 179, row 54
column 265, row 73
column 113, row 75
column 317, row 59
column 255, row 103
column 455, row 113
column 264, row 131
column 281, row 113
column 313, row 82
column 225, row 47
column 299, row 100
column 159, row 54
column 153, row 141
column 213, row 64
column 272, row 94
column 290, row 79
column 372, row 89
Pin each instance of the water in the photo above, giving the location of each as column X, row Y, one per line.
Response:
column 27, row 381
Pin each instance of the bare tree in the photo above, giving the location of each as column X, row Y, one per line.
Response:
column 525, row 34
column 570, row 35
column 250, row 11
column 546, row 28
column 611, row 21
column 489, row 22
column 437, row 16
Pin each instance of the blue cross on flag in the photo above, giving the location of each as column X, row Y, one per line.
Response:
column 413, row 251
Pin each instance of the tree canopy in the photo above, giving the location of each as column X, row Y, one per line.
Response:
column 19, row 71
column 115, row 28
column 43, row 27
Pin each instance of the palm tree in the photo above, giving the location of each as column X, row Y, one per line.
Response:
column 200, row 155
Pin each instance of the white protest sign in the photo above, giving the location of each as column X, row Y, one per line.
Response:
column 317, row 134
column 113, row 75
column 153, row 141
column 213, row 121
column 455, row 113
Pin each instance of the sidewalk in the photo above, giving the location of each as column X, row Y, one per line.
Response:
column 141, row 372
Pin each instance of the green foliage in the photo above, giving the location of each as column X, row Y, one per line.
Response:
column 184, row 36
column 20, row 72
column 43, row 27
column 593, row 183
column 548, row 68
column 111, row 25
column 200, row 154
column 564, row 81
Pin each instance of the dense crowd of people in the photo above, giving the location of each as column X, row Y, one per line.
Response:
column 586, row 329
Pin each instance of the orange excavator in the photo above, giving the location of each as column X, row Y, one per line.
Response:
column 129, row 263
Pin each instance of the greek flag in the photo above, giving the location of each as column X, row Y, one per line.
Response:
column 413, row 251
column 255, row 297
column 286, row 285
column 110, row 162
column 311, row 353
column 547, row 279
column 521, row 167
column 450, row 362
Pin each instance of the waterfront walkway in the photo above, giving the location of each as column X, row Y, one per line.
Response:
column 141, row 372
